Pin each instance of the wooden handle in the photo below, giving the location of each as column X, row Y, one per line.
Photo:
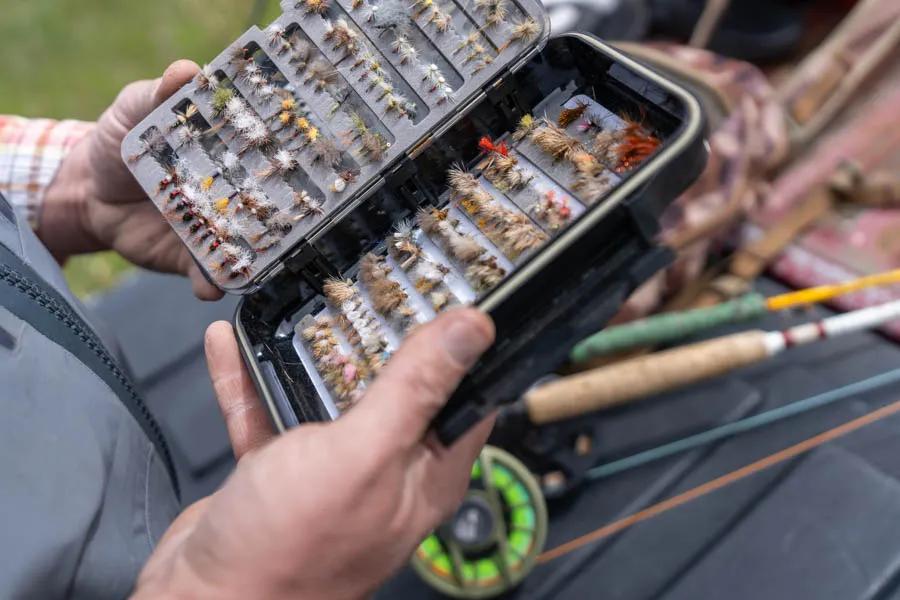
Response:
column 622, row 382
column 749, row 262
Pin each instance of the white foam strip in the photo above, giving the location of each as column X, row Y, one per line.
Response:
column 423, row 308
column 392, row 337
column 309, row 364
column 468, row 227
column 454, row 279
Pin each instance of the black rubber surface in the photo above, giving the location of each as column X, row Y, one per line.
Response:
column 826, row 525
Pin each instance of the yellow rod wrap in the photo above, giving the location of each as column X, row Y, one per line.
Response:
column 826, row 292
column 637, row 378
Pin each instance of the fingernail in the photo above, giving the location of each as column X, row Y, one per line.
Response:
column 465, row 340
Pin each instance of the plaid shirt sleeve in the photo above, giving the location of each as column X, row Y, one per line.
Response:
column 31, row 151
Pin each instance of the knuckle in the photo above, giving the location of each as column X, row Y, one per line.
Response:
column 131, row 90
column 431, row 382
column 228, row 387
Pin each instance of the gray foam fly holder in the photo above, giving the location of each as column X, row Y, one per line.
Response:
column 242, row 208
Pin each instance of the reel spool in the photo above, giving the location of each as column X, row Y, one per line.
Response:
column 492, row 542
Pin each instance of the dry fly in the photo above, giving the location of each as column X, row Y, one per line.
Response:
column 339, row 291
column 525, row 31
column 183, row 117
column 237, row 54
column 420, row 7
column 442, row 21
column 477, row 51
column 486, row 61
column 282, row 163
column 591, row 177
column 326, row 152
column 567, row 116
column 188, row 136
column 444, row 94
column 485, row 273
column 321, row 74
column 318, row 7
column 470, row 40
column 635, row 145
column 342, row 37
column 403, row 246
column 505, row 174
column 526, row 125
column 604, row 144
column 461, row 247
column 206, row 79
column 388, row 297
column 274, row 33
column 551, row 210
column 237, row 258
column 555, row 141
column 221, row 98
column 306, row 205
column 374, row 146
column 404, row 49
column 302, row 51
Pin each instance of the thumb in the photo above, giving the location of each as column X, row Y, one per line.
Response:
column 139, row 99
column 246, row 418
column 417, row 381
column 176, row 76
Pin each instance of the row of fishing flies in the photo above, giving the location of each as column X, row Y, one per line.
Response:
column 247, row 222
column 399, row 19
column 594, row 153
column 623, row 148
column 211, row 217
column 597, row 152
column 387, row 303
column 347, row 373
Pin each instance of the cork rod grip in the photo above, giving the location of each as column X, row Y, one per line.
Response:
column 640, row 377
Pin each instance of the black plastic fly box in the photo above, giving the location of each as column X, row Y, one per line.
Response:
column 360, row 166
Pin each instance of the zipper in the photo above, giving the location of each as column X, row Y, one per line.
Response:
column 64, row 314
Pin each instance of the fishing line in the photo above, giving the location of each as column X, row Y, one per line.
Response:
column 742, row 426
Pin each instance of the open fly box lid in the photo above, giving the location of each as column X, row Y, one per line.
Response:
column 293, row 125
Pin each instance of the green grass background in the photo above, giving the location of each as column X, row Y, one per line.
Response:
column 69, row 59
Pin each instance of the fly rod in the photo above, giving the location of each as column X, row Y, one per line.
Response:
column 630, row 380
column 668, row 327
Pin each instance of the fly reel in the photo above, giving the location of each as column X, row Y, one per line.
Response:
column 493, row 541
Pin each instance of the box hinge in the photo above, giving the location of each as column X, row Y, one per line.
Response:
column 309, row 264
column 501, row 95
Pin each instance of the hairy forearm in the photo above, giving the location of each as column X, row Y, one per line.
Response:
column 62, row 224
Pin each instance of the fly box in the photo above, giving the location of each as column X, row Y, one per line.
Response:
column 358, row 167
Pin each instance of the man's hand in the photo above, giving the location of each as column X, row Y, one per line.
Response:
column 326, row 510
column 95, row 204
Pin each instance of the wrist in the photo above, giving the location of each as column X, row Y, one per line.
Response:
column 63, row 223
column 187, row 575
